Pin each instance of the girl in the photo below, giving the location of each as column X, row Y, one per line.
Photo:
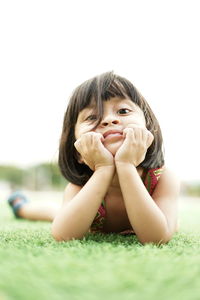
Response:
column 111, row 153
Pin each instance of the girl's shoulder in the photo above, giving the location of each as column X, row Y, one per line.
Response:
column 167, row 180
column 162, row 175
column 167, row 173
column 157, row 172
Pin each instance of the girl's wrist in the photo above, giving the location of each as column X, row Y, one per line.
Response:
column 104, row 173
column 106, row 169
column 124, row 164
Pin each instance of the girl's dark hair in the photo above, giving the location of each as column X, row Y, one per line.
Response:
column 102, row 88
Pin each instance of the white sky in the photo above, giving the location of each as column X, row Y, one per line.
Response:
column 49, row 47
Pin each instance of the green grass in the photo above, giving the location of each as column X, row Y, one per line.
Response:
column 34, row 266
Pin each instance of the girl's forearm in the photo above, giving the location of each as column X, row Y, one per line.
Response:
column 76, row 216
column 146, row 218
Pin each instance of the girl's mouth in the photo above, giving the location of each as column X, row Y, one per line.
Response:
column 113, row 133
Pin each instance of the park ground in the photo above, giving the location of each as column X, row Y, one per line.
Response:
column 34, row 266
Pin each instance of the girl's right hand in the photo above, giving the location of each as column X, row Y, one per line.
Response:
column 92, row 151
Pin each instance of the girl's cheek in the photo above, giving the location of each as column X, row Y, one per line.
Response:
column 82, row 130
column 137, row 121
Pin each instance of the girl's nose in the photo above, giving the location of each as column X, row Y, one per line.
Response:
column 109, row 120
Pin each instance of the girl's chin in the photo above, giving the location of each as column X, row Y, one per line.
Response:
column 112, row 148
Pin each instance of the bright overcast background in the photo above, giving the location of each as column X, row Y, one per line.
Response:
column 47, row 48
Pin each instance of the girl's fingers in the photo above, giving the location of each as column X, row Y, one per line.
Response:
column 77, row 144
column 98, row 138
column 88, row 139
column 150, row 139
column 92, row 151
column 128, row 131
column 139, row 134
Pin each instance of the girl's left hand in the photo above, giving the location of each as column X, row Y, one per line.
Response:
column 134, row 148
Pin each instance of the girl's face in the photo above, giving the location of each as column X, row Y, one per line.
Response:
column 118, row 115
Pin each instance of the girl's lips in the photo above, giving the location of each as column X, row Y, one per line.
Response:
column 112, row 133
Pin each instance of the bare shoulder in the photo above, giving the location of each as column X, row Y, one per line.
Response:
column 168, row 184
column 169, row 174
column 70, row 191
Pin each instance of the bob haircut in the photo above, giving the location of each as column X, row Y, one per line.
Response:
column 98, row 89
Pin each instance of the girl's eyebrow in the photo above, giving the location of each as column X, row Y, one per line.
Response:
column 128, row 102
column 85, row 111
column 90, row 107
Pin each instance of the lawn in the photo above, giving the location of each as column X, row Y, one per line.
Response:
column 34, row 266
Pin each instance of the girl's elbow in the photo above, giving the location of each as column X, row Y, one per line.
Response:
column 156, row 242
column 164, row 239
column 57, row 236
column 56, row 232
column 167, row 236
column 63, row 237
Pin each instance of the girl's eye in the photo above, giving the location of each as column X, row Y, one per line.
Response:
column 123, row 111
column 91, row 118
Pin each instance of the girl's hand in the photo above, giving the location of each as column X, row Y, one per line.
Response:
column 134, row 148
column 92, row 151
